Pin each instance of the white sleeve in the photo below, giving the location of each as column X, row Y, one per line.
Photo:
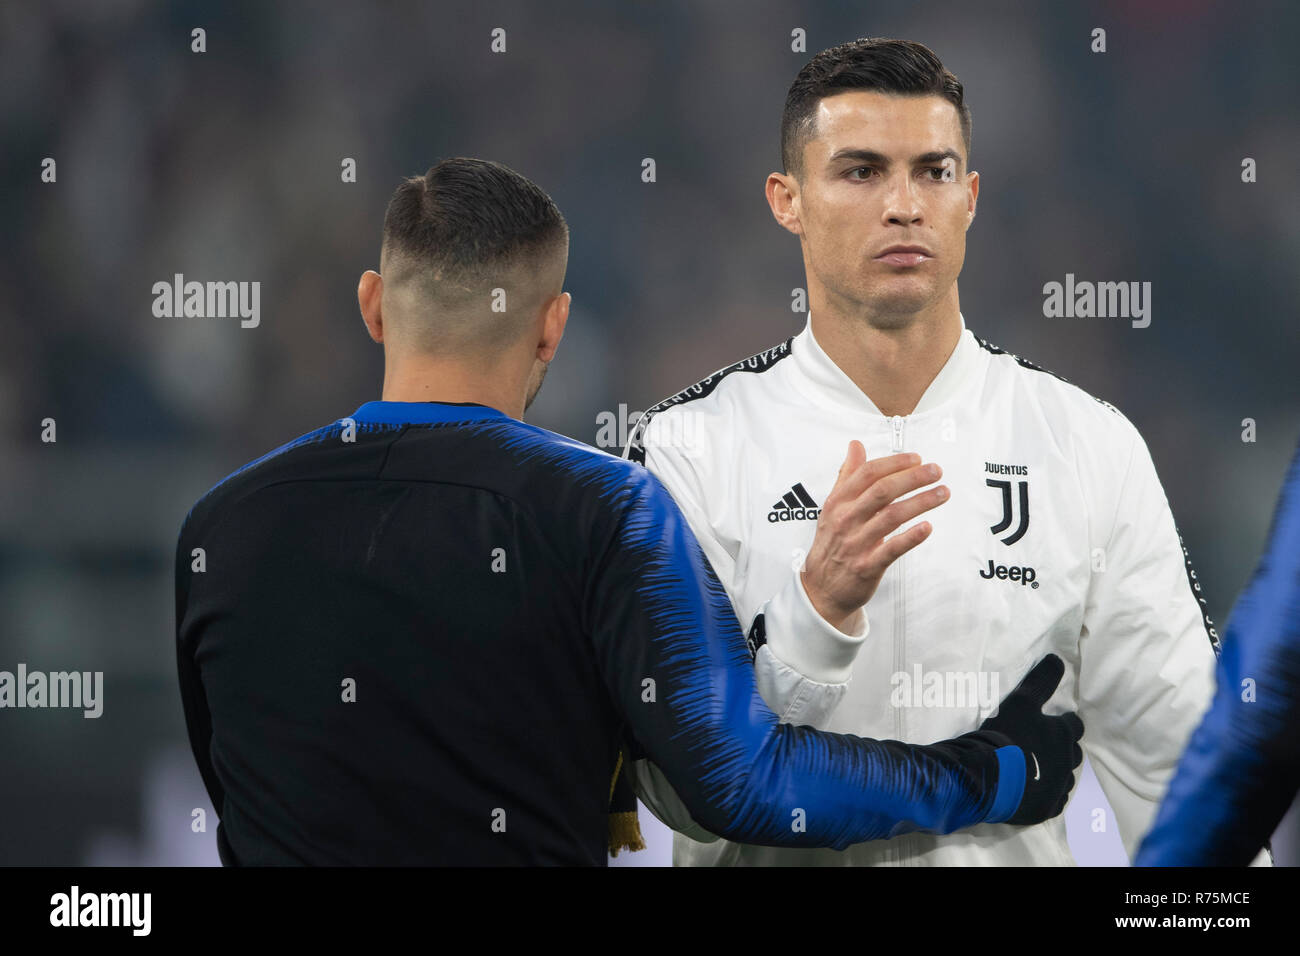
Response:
column 1146, row 650
column 802, row 664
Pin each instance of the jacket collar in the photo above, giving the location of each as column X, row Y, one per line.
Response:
column 830, row 383
column 422, row 413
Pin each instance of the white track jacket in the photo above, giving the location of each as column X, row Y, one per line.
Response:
column 1057, row 538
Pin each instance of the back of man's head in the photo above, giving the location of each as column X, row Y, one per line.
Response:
column 471, row 251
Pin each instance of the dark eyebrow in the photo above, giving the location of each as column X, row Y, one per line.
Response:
column 879, row 159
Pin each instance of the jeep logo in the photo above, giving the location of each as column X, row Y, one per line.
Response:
column 1003, row 573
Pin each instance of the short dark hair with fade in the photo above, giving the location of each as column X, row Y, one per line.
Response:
column 900, row 67
column 466, row 221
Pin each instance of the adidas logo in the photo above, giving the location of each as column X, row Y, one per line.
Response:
column 795, row 505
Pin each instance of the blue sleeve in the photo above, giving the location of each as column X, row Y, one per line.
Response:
column 1241, row 769
column 673, row 655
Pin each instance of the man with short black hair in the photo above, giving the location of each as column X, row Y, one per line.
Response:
column 1054, row 533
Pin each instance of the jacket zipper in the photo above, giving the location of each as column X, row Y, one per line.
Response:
column 899, row 649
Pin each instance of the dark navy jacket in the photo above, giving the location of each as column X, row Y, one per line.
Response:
column 421, row 635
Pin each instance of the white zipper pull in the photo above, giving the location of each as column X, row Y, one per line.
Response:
column 898, row 432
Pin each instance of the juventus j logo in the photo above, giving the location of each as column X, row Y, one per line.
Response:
column 1007, row 514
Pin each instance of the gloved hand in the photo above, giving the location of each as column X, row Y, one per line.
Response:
column 1050, row 743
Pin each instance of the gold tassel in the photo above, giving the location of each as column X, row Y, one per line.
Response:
column 625, row 832
column 625, row 826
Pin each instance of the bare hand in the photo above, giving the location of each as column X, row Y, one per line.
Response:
column 850, row 552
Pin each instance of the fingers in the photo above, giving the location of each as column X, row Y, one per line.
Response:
column 853, row 481
column 857, row 457
column 885, row 491
column 854, row 460
column 850, row 553
column 891, row 517
column 1074, row 726
column 897, row 546
column 1041, row 682
column 863, row 489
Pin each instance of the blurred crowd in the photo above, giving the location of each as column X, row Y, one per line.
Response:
column 226, row 165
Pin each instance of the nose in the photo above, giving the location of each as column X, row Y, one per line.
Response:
column 902, row 207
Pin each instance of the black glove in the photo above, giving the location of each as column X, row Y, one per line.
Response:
column 1050, row 744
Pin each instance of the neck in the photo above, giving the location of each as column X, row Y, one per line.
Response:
column 429, row 379
column 892, row 365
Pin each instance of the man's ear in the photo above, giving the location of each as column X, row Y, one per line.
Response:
column 973, row 187
column 782, row 193
column 370, row 296
column 554, row 318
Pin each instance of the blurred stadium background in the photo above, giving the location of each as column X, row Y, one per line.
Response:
column 225, row 165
